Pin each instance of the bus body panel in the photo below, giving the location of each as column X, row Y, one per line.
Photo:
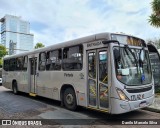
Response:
column 20, row 77
column 49, row 84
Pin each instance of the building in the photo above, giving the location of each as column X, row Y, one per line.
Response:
column 15, row 34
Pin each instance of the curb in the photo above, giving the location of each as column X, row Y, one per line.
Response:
column 152, row 109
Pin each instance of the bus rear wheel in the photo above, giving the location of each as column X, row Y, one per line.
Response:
column 70, row 99
column 14, row 87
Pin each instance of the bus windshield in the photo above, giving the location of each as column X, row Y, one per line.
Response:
column 130, row 70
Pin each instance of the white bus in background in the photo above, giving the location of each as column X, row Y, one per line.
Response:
column 155, row 63
column 107, row 72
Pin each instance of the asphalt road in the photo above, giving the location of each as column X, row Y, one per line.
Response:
column 23, row 106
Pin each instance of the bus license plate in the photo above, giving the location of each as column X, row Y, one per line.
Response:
column 142, row 104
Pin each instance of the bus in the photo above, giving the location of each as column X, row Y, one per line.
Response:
column 155, row 63
column 107, row 72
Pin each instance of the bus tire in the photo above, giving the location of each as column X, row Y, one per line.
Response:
column 14, row 87
column 70, row 99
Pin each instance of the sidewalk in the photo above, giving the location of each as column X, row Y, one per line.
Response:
column 155, row 107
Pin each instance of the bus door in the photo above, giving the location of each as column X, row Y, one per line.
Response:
column 97, row 78
column 33, row 76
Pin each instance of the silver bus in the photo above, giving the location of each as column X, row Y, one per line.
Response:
column 107, row 72
column 155, row 63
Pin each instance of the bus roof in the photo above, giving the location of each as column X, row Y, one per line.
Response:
column 99, row 36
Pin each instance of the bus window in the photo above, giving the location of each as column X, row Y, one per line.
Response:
column 72, row 58
column 25, row 62
column 6, row 65
column 103, row 66
column 92, row 65
column 19, row 63
column 42, row 61
column 130, row 71
column 155, row 68
column 54, row 60
column 12, row 64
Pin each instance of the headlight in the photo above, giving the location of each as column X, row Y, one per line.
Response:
column 121, row 94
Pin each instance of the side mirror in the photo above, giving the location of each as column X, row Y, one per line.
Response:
column 142, row 55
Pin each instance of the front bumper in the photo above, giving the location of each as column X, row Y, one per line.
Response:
column 120, row 106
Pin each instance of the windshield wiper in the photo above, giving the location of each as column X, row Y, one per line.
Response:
column 136, row 61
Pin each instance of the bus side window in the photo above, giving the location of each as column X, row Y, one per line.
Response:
column 42, row 61
column 6, row 65
column 12, row 64
column 19, row 63
column 48, row 61
column 54, row 60
column 25, row 62
column 73, row 58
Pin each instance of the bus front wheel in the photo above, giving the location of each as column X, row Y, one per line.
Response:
column 14, row 87
column 70, row 99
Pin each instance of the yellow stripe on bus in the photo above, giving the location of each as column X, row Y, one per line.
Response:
column 32, row 94
column 97, row 109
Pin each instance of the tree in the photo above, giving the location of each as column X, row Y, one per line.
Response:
column 39, row 45
column 154, row 18
column 3, row 52
column 157, row 43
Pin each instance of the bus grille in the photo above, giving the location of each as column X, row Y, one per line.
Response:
column 139, row 90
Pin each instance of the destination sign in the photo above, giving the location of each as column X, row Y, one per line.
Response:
column 130, row 40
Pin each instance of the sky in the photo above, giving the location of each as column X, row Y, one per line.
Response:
column 55, row 21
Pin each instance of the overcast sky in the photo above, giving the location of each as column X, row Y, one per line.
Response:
column 55, row 21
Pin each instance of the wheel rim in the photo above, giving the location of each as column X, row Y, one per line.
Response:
column 69, row 99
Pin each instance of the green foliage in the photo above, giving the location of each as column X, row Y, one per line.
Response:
column 156, row 6
column 157, row 90
column 154, row 18
column 39, row 45
column 3, row 51
column 1, row 63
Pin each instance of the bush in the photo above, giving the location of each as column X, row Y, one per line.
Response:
column 157, row 90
